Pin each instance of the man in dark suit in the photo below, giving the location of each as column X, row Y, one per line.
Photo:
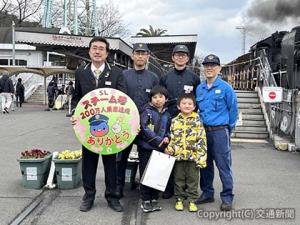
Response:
column 97, row 74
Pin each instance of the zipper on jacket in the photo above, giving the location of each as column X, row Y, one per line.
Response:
column 184, row 134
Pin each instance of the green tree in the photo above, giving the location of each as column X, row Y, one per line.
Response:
column 151, row 32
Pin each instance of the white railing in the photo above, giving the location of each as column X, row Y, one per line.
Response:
column 265, row 71
column 31, row 83
column 280, row 73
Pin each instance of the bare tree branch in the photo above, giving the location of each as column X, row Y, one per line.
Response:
column 109, row 21
column 4, row 5
column 25, row 9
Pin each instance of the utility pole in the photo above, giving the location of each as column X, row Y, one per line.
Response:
column 88, row 16
column 75, row 18
column 94, row 24
column 243, row 30
column 13, row 43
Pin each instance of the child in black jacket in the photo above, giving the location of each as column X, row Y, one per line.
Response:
column 154, row 135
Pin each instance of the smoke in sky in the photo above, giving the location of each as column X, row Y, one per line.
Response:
column 264, row 17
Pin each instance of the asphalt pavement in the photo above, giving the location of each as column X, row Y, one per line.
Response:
column 266, row 183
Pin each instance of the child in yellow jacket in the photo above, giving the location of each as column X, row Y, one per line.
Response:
column 188, row 145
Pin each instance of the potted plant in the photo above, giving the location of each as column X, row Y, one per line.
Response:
column 68, row 169
column 35, row 166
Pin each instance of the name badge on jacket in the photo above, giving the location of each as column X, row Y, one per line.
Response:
column 188, row 88
column 108, row 83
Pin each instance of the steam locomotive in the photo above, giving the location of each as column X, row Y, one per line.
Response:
column 274, row 61
column 282, row 49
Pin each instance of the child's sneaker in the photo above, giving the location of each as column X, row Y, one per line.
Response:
column 155, row 205
column 193, row 207
column 179, row 205
column 146, row 206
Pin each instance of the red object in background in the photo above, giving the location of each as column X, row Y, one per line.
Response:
column 272, row 95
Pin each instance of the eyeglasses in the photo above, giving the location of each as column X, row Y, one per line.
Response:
column 101, row 49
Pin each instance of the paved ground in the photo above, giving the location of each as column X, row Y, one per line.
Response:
column 267, row 182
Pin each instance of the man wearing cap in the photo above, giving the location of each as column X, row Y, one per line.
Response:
column 217, row 103
column 139, row 82
column 97, row 74
column 177, row 81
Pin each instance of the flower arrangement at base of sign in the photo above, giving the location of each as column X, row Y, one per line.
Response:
column 68, row 154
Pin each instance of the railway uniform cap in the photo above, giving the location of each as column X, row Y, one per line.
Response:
column 181, row 48
column 97, row 119
column 211, row 59
column 140, row 47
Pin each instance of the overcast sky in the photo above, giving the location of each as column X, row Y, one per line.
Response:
column 214, row 21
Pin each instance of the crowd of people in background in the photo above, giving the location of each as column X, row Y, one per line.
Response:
column 63, row 93
column 12, row 95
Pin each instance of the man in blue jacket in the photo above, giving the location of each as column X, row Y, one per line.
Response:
column 218, row 109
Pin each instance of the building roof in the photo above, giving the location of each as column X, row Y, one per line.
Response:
column 162, row 46
column 43, row 71
column 44, row 37
column 188, row 38
column 20, row 47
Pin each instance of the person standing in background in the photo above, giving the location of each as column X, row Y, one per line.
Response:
column 51, row 94
column 20, row 93
column 6, row 92
column 70, row 92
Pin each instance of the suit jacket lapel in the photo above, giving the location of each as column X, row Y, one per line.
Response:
column 106, row 72
column 90, row 75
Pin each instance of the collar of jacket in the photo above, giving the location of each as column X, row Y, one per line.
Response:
column 216, row 83
column 179, row 72
column 140, row 71
column 106, row 70
column 192, row 115
column 150, row 105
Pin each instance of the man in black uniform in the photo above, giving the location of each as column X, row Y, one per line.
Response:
column 139, row 82
column 177, row 81
column 98, row 74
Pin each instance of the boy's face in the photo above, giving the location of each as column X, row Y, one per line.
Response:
column 158, row 100
column 186, row 106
